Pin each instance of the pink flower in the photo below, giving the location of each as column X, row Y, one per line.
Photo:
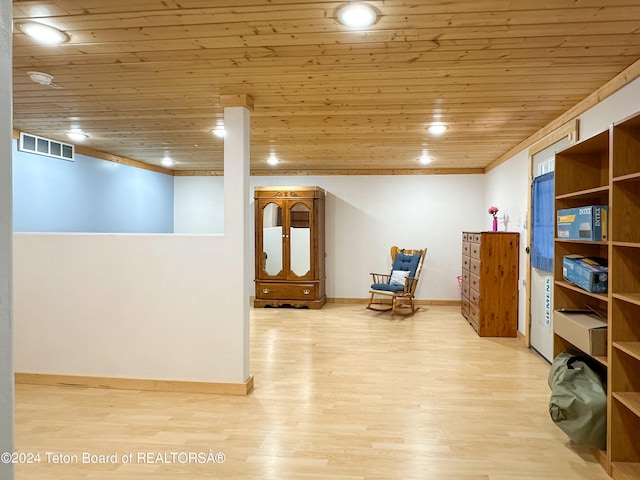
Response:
column 493, row 210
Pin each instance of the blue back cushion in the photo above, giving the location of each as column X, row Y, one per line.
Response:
column 407, row 263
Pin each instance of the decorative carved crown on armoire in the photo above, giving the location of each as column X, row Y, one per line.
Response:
column 289, row 247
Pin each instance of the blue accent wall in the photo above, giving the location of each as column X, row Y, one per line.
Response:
column 88, row 195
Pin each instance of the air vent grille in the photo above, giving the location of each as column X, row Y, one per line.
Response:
column 44, row 146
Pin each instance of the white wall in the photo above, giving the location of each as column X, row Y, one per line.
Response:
column 6, row 314
column 198, row 205
column 507, row 187
column 619, row 106
column 366, row 215
column 127, row 306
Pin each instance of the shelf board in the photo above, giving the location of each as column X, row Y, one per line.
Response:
column 631, row 400
column 628, row 297
column 583, row 242
column 583, row 193
column 625, row 471
column 602, row 360
column 571, row 286
column 601, row 456
column 630, row 348
column 633, row 177
column 626, row 244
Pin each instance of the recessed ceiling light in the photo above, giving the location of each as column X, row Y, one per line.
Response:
column 167, row 162
column 425, row 159
column 437, row 128
column 44, row 33
column 219, row 131
column 273, row 160
column 357, row 15
column 77, row 136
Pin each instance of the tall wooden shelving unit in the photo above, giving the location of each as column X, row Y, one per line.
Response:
column 624, row 308
column 605, row 170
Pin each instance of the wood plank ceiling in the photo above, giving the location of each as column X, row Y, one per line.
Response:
column 143, row 77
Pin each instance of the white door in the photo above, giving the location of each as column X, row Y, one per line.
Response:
column 542, row 313
column 541, row 301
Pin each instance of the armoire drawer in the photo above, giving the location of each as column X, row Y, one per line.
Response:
column 294, row 291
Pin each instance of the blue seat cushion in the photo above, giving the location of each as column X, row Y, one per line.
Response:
column 406, row 262
column 387, row 287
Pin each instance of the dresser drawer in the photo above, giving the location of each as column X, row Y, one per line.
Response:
column 476, row 238
column 465, row 307
column 465, row 277
column 474, row 266
column 474, row 315
column 474, row 297
column 466, row 248
column 474, row 282
column 474, row 250
column 465, row 290
column 466, row 262
column 293, row 291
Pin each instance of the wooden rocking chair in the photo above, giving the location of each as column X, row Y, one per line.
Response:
column 395, row 292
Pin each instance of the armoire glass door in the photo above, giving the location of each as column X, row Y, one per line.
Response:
column 272, row 239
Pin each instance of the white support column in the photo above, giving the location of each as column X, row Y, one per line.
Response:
column 237, row 124
column 6, row 236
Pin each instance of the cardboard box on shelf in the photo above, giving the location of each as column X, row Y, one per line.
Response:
column 586, row 331
column 583, row 223
column 588, row 273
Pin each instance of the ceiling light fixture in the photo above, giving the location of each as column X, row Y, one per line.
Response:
column 425, row 159
column 77, row 135
column 219, row 131
column 44, row 33
column 273, row 160
column 167, row 162
column 43, row 79
column 357, row 15
column 437, row 128
column 40, row 77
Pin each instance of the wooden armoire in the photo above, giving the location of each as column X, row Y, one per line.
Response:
column 289, row 247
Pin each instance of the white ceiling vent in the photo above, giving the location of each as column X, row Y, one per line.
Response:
column 44, row 146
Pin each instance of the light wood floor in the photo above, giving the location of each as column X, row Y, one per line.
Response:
column 340, row 393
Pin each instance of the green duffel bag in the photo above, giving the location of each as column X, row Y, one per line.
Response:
column 578, row 403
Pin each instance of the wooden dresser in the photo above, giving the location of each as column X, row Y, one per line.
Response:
column 490, row 282
column 289, row 247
